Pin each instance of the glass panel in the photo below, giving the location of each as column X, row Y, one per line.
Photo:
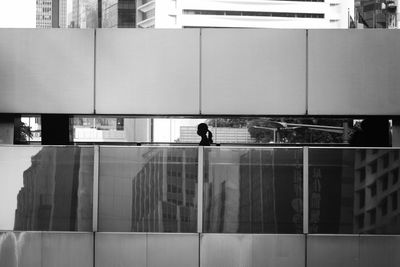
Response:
column 46, row 188
column 148, row 189
column 353, row 191
column 253, row 190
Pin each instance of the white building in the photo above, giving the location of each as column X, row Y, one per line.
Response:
column 244, row 13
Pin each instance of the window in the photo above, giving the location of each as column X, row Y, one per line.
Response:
column 373, row 166
column 372, row 189
column 361, row 198
column 361, row 175
column 394, row 201
column 383, row 207
column 385, row 160
column 395, row 176
column 384, row 181
column 360, row 221
column 372, row 216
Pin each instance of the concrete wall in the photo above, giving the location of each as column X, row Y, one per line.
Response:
column 200, row 71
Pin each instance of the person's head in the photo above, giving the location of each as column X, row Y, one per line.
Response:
column 202, row 129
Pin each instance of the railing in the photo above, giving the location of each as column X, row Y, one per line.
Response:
column 190, row 189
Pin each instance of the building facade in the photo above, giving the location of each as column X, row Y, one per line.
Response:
column 377, row 14
column 51, row 13
column 239, row 13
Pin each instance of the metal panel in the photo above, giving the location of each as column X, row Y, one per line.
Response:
column 225, row 250
column 278, row 250
column 20, row 249
column 120, row 249
column 147, row 72
column 353, row 72
column 326, row 250
column 67, row 249
column 253, row 71
column 376, row 251
column 46, row 71
column 172, row 250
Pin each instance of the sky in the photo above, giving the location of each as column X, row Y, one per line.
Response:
column 17, row 13
column 13, row 162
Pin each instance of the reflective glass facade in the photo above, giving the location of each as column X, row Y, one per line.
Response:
column 198, row 206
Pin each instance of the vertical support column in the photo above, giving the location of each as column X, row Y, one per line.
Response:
column 56, row 129
column 96, row 187
column 305, row 190
column 200, row 179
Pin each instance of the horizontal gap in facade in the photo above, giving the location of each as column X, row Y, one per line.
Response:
column 253, row 13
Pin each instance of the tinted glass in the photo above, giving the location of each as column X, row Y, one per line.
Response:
column 350, row 192
column 253, row 190
column 148, row 189
column 46, row 188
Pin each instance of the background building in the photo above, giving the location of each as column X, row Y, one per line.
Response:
column 377, row 187
column 239, row 13
column 377, row 13
column 51, row 13
column 118, row 14
column 188, row 134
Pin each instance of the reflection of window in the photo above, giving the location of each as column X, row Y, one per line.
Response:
column 373, row 166
column 396, row 155
column 372, row 216
column 360, row 221
column 361, row 174
column 385, row 160
column 372, row 189
column 384, row 181
column 394, row 201
column 383, row 207
column 395, row 176
column 361, row 198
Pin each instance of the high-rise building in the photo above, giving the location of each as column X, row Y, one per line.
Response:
column 377, row 13
column 51, row 13
column 44, row 14
column 239, row 13
column 118, row 13
column 84, row 14
column 377, row 186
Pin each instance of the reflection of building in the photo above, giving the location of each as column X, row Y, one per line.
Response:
column 57, row 191
column 253, row 191
column 331, row 190
column 164, row 192
column 221, row 195
column 377, row 188
column 118, row 13
column 271, row 194
column 51, row 13
column 188, row 134
column 239, row 13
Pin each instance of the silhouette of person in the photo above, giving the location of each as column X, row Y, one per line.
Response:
column 205, row 134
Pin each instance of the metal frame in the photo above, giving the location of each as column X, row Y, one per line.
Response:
column 305, row 190
column 200, row 179
column 96, row 187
